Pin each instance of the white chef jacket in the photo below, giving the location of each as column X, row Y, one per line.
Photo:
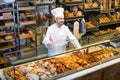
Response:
column 61, row 36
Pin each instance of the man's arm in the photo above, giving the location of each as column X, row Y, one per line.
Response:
column 47, row 40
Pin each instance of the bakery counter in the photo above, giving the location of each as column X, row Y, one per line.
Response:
column 76, row 74
column 66, row 66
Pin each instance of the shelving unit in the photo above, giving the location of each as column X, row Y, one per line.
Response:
column 26, row 27
column 44, row 20
column 7, row 30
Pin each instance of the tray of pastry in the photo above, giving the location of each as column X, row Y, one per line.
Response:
column 55, row 67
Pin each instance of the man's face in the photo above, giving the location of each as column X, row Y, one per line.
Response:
column 60, row 20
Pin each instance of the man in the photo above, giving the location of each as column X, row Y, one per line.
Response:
column 58, row 35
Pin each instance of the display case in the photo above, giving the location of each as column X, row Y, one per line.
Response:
column 68, row 65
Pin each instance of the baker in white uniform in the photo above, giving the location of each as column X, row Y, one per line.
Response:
column 58, row 35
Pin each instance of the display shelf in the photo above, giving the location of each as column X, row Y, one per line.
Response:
column 73, row 3
column 27, row 23
column 1, row 27
column 73, row 18
column 8, row 33
column 7, row 28
column 26, row 8
column 6, row 18
column 109, row 23
column 91, row 9
column 44, row 4
column 5, row 10
column 107, row 11
column 4, row 41
column 117, row 7
column 2, row 48
column 27, row 16
column 92, row 29
column 26, row 36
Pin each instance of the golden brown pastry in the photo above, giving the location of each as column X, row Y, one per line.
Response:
column 9, row 37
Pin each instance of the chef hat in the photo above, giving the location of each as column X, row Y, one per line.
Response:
column 57, row 12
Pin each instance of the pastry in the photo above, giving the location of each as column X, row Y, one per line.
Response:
column 79, row 13
column 9, row 37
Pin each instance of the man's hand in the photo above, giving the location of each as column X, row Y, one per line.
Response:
column 51, row 43
column 82, row 52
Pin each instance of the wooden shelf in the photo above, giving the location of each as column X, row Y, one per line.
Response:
column 73, row 18
column 73, row 3
column 1, row 27
column 43, row 4
column 2, row 48
column 26, row 16
column 117, row 7
column 26, row 8
column 6, row 33
column 7, row 41
column 107, row 11
column 27, row 23
column 2, row 18
column 92, row 9
column 5, row 10
column 26, row 36
column 109, row 23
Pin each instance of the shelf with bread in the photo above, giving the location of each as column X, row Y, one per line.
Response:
column 107, row 11
column 44, row 4
column 73, row 15
column 2, row 10
column 26, row 14
column 91, row 27
column 106, row 6
column 3, row 33
column 63, row 65
column 117, row 4
column 7, row 29
column 6, row 46
column 106, row 19
column 26, row 26
column 90, row 5
column 103, row 32
column 25, row 6
column 71, row 2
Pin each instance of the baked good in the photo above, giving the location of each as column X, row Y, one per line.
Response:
column 66, row 13
column 70, row 14
column 95, row 5
column 9, row 37
column 79, row 13
column 32, row 77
